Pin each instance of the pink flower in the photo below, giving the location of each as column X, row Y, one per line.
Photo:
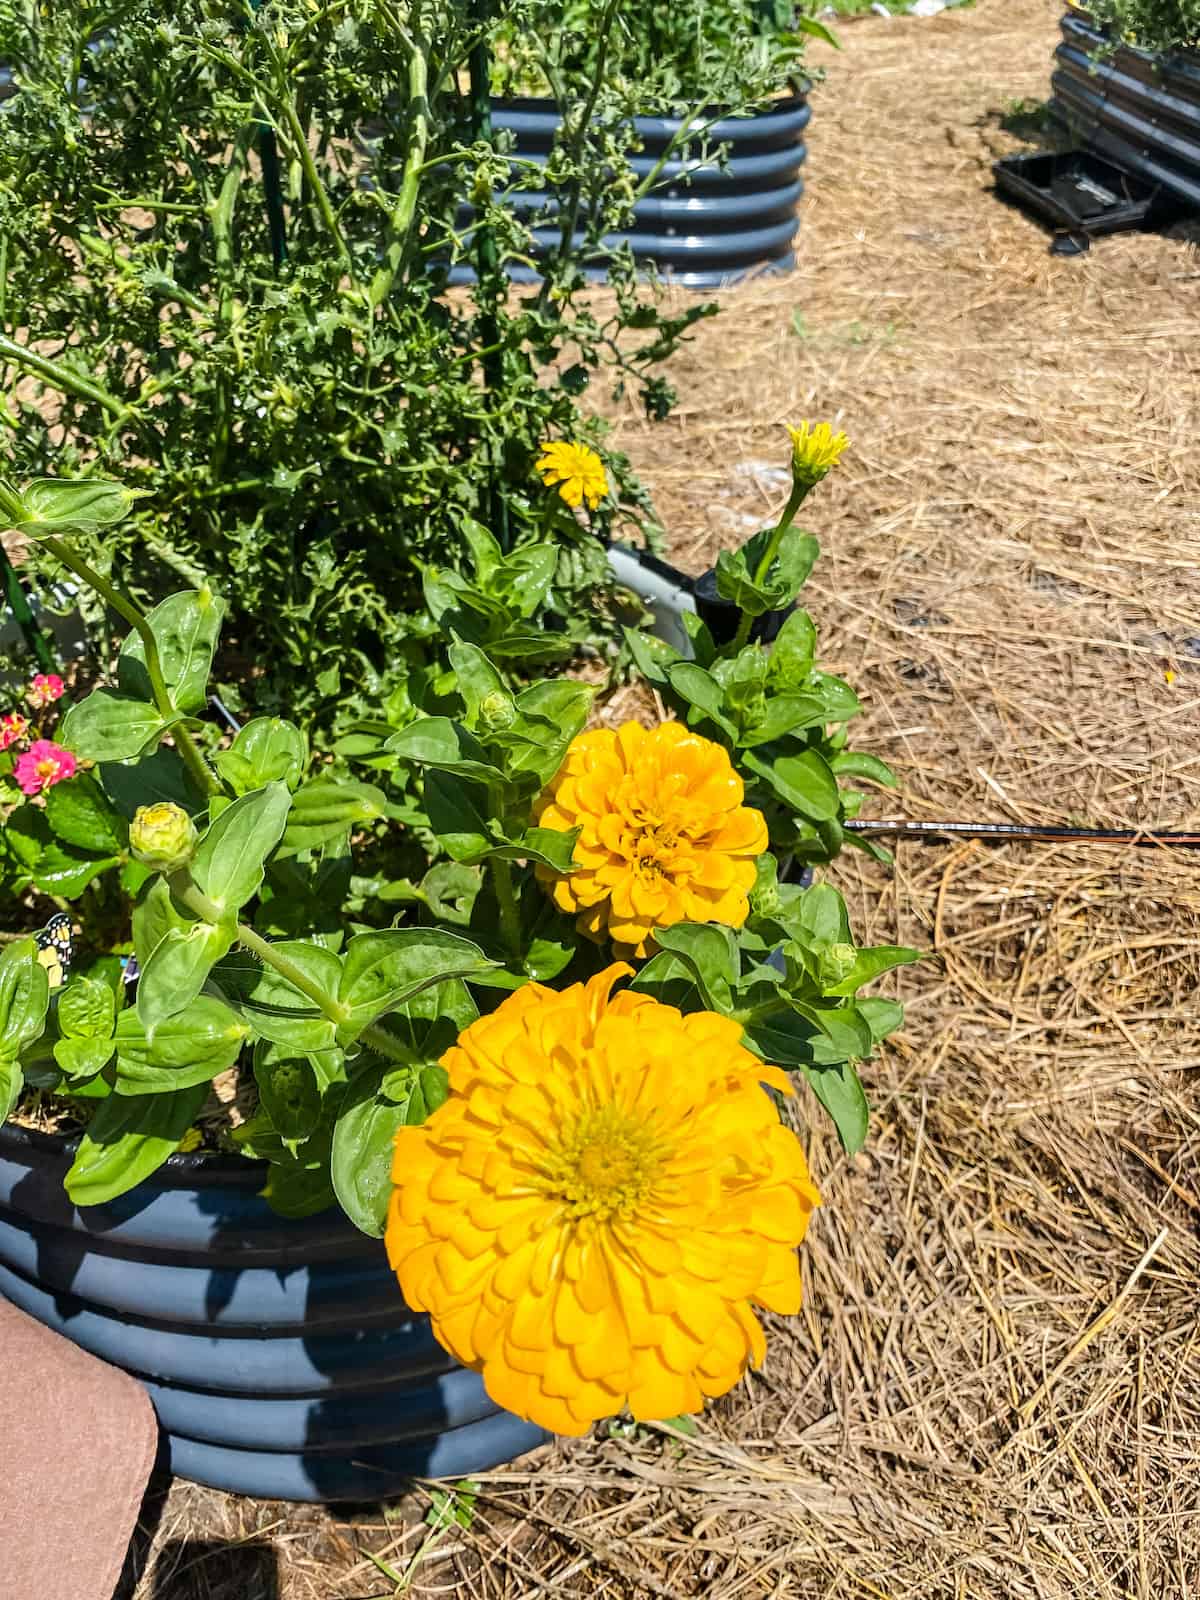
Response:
column 13, row 729
column 43, row 764
column 45, row 689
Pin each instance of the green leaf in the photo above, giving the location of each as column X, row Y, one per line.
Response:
column 129, row 1138
column 856, row 764
column 25, row 834
column 848, row 1035
column 24, row 996
column 840, row 1092
column 325, row 808
column 672, row 980
column 701, row 690
column 66, row 872
column 108, row 726
column 477, row 679
column 296, row 1191
column 288, row 1088
column 450, row 891
column 57, row 505
column 704, row 647
column 83, row 1058
column 460, row 827
column 803, row 782
column 653, row 657
column 821, row 916
column 231, row 858
column 870, row 964
column 794, row 651
column 189, row 1048
column 267, row 750
column 87, row 1009
column 384, row 970
column 81, row 814
column 178, row 968
column 158, row 776
column 528, row 574
column 12, row 1081
column 881, row 1016
column 154, row 916
column 447, row 746
column 784, row 714
column 711, row 955
column 186, row 627
column 363, row 1139
column 486, row 554
column 786, row 576
column 275, row 1008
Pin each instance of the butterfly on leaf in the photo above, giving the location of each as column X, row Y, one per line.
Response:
column 55, row 948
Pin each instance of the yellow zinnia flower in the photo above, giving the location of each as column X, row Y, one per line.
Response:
column 664, row 835
column 815, row 450
column 578, row 472
column 592, row 1216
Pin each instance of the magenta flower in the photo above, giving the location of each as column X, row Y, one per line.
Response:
column 42, row 765
column 13, row 729
column 45, row 689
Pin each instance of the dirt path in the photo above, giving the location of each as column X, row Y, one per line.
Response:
column 994, row 1391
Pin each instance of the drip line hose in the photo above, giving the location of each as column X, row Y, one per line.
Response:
column 1006, row 832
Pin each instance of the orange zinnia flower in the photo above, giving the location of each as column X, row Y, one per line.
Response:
column 594, row 1214
column 664, row 835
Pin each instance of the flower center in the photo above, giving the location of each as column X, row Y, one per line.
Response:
column 46, row 769
column 605, row 1165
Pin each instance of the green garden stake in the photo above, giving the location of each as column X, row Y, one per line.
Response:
column 22, row 611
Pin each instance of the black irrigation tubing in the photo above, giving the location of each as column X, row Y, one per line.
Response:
column 1006, row 832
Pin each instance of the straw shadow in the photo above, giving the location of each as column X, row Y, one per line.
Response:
column 214, row 1569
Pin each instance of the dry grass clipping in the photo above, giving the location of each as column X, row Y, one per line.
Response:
column 994, row 1390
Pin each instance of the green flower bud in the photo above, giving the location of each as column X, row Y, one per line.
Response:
column 496, row 711
column 162, row 836
column 837, row 962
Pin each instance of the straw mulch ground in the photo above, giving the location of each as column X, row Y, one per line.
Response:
column 995, row 1388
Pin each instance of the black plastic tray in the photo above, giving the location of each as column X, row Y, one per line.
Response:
column 1078, row 191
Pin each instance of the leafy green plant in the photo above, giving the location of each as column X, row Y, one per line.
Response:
column 231, row 238
column 1159, row 25
column 251, row 952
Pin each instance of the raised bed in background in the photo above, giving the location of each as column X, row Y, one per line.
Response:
column 279, row 1355
column 702, row 224
column 1140, row 111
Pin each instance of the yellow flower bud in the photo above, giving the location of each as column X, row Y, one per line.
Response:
column 816, row 449
column 162, row 836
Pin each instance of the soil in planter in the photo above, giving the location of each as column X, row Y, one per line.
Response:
column 233, row 1100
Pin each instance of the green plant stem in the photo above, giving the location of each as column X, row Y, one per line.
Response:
column 379, row 1039
column 139, row 622
column 799, row 490
column 400, row 220
column 272, row 957
column 510, row 922
column 62, row 378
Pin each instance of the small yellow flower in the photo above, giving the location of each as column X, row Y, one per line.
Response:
column 578, row 472
column 816, row 449
column 664, row 835
column 593, row 1216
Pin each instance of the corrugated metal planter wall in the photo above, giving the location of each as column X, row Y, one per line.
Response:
column 1140, row 111
column 279, row 1355
column 701, row 224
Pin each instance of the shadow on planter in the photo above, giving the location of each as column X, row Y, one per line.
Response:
column 279, row 1355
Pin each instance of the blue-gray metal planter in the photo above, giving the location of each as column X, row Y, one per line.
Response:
column 279, row 1355
column 1140, row 111
column 702, row 224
